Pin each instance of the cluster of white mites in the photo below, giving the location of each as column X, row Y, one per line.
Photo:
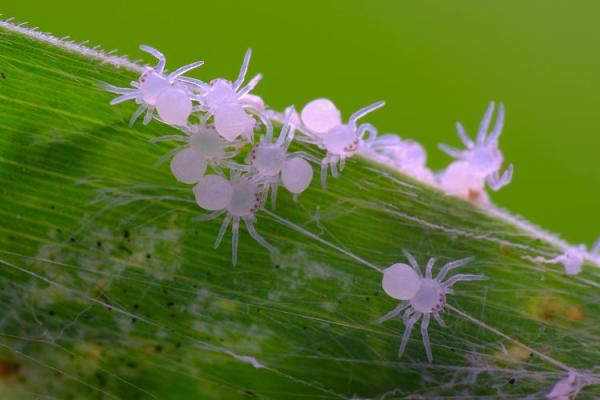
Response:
column 479, row 163
column 217, row 124
column 421, row 296
column 217, row 120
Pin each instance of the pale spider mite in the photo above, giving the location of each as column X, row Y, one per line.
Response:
column 270, row 164
column 227, row 102
column 572, row 259
column 170, row 95
column 421, row 296
column 239, row 199
column 323, row 122
column 482, row 156
column 203, row 147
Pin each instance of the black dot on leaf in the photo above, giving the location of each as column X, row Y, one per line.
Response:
column 3, row 75
column 512, row 381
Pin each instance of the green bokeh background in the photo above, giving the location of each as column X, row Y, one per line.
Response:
column 434, row 62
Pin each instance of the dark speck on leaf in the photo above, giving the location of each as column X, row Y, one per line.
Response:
column 9, row 368
column 125, row 248
column 126, row 234
column 170, row 304
column 3, row 75
column 101, row 379
column 136, row 306
column 512, row 381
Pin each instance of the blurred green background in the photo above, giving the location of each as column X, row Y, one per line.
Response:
column 434, row 62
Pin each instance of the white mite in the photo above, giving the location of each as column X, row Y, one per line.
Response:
column 271, row 165
column 421, row 296
column 203, row 148
column 480, row 162
column 170, row 95
column 239, row 199
column 572, row 259
column 227, row 102
column 408, row 156
column 322, row 120
column 459, row 179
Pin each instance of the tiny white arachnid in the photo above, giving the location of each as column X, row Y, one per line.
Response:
column 227, row 102
column 239, row 199
column 271, row 165
column 479, row 163
column 322, row 120
column 572, row 259
column 170, row 95
column 421, row 296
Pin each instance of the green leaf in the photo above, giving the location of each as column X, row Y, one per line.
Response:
column 110, row 289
